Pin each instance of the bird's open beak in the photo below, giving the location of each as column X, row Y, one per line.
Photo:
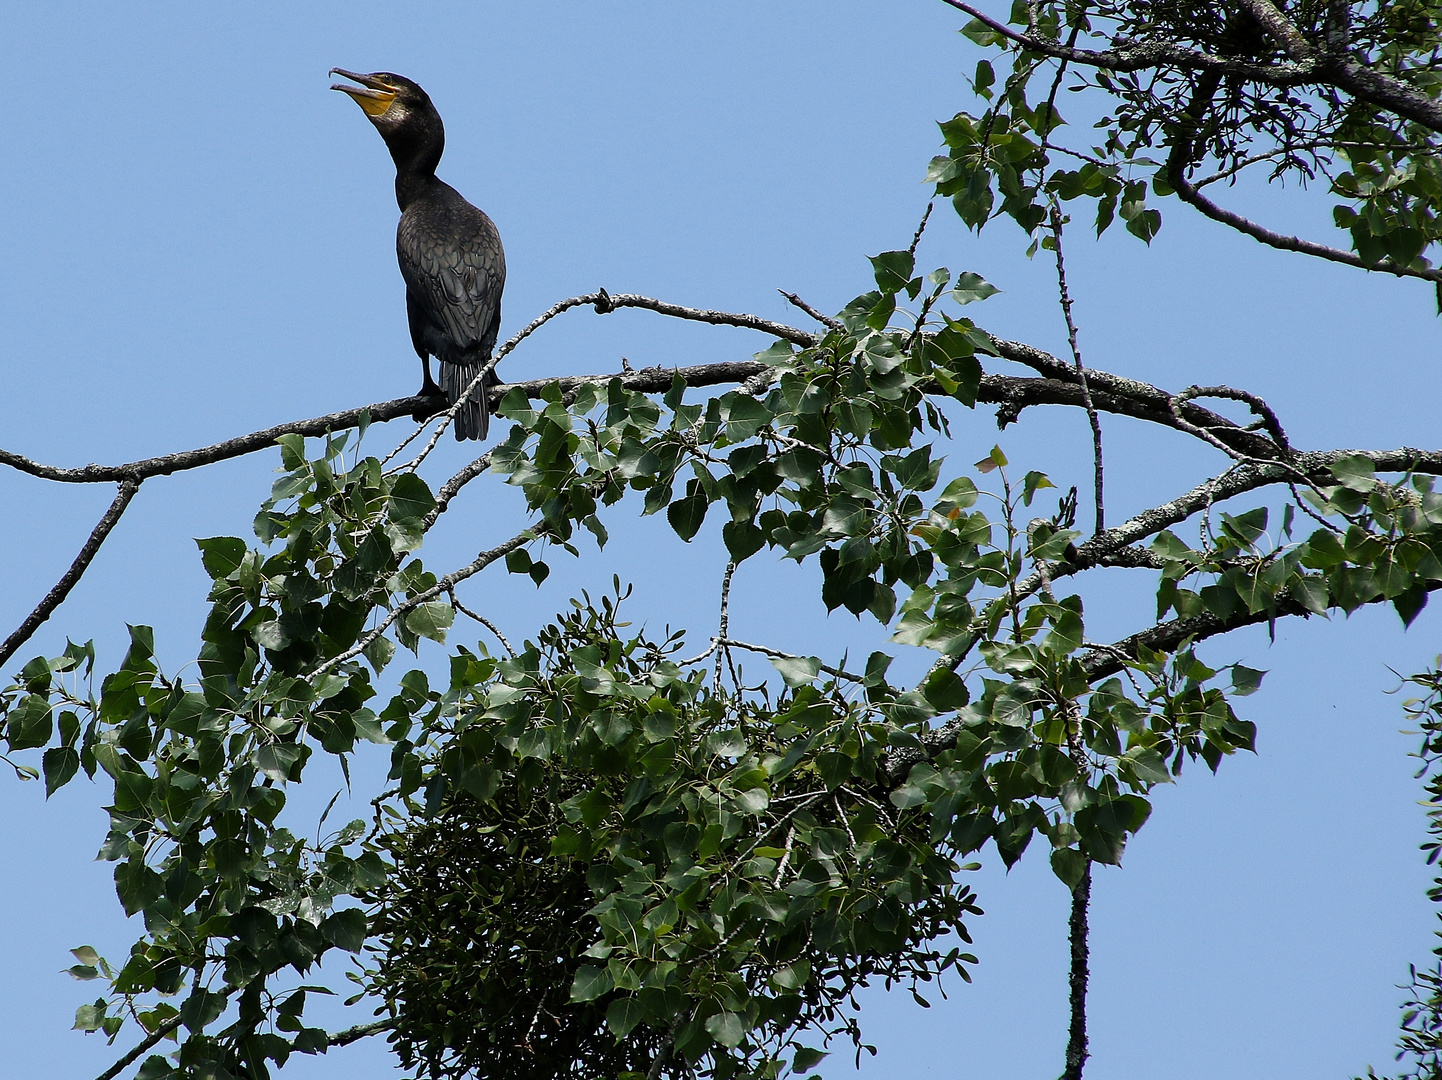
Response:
column 374, row 95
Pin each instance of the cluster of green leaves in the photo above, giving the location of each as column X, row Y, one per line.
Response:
column 230, row 899
column 1420, row 1045
column 616, row 860
column 1387, row 546
column 590, row 858
column 826, row 464
column 1160, row 121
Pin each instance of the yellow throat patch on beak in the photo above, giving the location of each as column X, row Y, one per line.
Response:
column 374, row 95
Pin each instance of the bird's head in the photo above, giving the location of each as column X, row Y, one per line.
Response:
column 401, row 111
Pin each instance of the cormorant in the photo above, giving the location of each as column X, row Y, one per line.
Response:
column 450, row 252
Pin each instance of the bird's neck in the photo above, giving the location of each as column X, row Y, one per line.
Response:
column 412, row 185
column 416, row 160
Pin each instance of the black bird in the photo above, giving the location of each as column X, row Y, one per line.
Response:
column 450, row 252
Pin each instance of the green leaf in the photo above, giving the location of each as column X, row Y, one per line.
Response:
column 1070, row 865
column 893, row 270
column 60, row 765
column 431, row 619
column 292, row 451
column 1148, row 765
column 379, row 653
column 686, row 514
column 1355, row 473
column 982, row 34
column 807, row 1058
column 623, row 1015
column 590, row 983
column 727, row 1028
column 275, row 760
column 221, row 555
column 742, row 539
column 1246, row 680
column 792, row 976
column 972, row 287
column 30, row 724
column 797, row 670
column 410, row 499
column 345, row 929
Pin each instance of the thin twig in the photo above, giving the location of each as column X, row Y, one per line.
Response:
column 483, row 621
column 825, row 320
column 785, row 858
column 223, row 451
column 1140, row 55
column 61, row 589
column 455, row 577
column 1259, row 407
column 722, row 629
column 145, row 1044
column 921, row 228
column 777, row 654
column 1081, row 374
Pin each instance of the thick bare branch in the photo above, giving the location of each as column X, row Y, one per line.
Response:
column 1388, row 92
column 1280, row 29
column 61, row 589
column 360, row 1031
column 1077, row 932
column 222, row 451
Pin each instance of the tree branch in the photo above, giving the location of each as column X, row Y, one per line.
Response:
column 1280, row 29
column 1335, row 69
column 444, row 585
column 1189, row 194
column 825, row 320
column 145, row 1044
column 1110, row 659
column 1137, row 55
column 360, row 1031
column 1184, row 154
column 222, row 451
column 1076, row 1047
column 606, row 303
column 1379, row 89
column 61, row 589
column 1055, row 216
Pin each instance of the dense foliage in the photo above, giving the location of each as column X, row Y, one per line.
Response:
column 601, row 857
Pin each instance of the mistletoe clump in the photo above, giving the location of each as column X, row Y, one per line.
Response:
column 620, row 863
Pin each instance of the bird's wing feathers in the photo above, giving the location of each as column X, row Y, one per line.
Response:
column 454, row 269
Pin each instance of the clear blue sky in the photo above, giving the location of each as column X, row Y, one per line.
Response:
column 199, row 242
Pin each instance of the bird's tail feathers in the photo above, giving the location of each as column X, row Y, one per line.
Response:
column 473, row 419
